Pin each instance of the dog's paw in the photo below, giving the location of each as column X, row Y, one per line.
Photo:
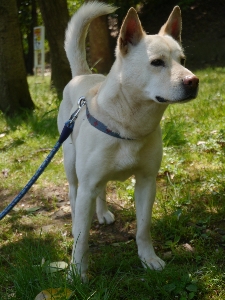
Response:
column 154, row 263
column 106, row 217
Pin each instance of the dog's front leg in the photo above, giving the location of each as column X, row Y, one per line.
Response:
column 85, row 205
column 145, row 190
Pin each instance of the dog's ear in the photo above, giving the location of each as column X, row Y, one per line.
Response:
column 173, row 25
column 131, row 31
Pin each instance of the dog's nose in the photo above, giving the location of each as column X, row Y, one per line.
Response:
column 191, row 80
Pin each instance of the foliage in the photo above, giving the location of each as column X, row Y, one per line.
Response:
column 123, row 7
column 26, row 20
column 182, row 3
column 24, row 12
column 186, row 3
column 74, row 5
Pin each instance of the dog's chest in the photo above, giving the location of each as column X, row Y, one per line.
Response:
column 122, row 161
column 110, row 158
column 127, row 156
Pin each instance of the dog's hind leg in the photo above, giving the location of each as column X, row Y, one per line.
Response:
column 103, row 214
column 145, row 190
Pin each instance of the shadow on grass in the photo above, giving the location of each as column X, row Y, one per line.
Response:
column 46, row 124
column 22, row 276
column 173, row 134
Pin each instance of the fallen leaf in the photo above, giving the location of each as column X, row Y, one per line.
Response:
column 5, row 172
column 213, row 132
column 201, row 143
column 54, row 294
column 192, row 288
column 66, row 209
column 16, row 209
column 128, row 242
column 188, row 247
column 32, row 209
column 116, row 244
column 168, row 255
column 56, row 266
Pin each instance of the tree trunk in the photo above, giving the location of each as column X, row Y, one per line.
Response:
column 56, row 16
column 14, row 94
column 29, row 57
column 100, row 51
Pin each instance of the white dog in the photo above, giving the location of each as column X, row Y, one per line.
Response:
column 118, row 133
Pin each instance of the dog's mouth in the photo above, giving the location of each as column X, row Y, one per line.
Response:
column 190, row 90
column 186, row 99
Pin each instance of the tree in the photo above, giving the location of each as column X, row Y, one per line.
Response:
column 55, row 15
column 14, row 94
column 123, row 7
column 28, row 20
column 100, row 45
column 100, row 51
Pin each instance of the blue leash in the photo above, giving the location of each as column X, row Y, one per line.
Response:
column 67, row 130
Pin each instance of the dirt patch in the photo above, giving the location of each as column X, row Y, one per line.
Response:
column 52, row 202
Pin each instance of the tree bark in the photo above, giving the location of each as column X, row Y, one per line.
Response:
column 29, row 57
column 14, row 95
column 56, row 16
column 100, row 51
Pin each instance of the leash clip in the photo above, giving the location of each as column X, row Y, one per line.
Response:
column 81, row 102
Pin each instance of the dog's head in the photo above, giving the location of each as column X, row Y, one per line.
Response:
column 153, row 65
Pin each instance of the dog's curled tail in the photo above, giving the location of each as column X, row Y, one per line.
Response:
column 76, row 34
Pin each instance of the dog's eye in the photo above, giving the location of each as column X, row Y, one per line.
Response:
column 182, row 61
column 158, row 63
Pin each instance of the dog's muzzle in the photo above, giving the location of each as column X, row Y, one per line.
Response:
column 190, row 84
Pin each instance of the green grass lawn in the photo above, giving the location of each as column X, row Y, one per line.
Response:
column 188, row 227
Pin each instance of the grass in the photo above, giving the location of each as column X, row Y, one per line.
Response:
column 188, row 222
